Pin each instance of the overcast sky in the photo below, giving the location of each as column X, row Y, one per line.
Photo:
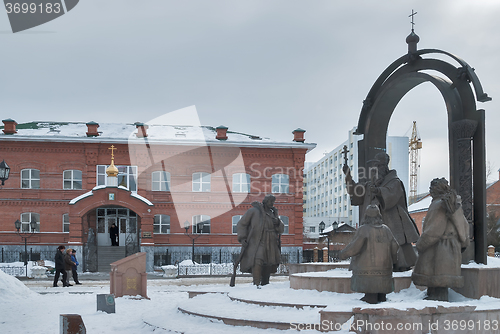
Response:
column 259, row 67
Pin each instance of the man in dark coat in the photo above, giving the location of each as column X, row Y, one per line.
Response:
column 384, row 189
column 59, row 263
column 259, row 233
column 374, row 253
column 113, row 234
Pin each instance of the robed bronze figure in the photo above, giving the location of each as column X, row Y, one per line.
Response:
column 374, row 253
column 445, row 235
column 259, row 231
column 384, row 189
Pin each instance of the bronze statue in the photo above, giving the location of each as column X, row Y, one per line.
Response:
column 384, row 189
column 445, row 236
column 259, row 233
column 374, row 253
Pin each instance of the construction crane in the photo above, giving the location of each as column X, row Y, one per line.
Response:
column 415, row 145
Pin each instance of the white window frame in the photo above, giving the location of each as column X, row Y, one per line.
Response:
column 241, row 183
column 66, row 223
column 280, row 184
column 161, row 222
column 162, row 182
column 201, row 182
column 32, row 180
column 26, row 218
column 234, row 224
column 286, row 222
column 201, row 218
column 124, row 171
column 73, row 179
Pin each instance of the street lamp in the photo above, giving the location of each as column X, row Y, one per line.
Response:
column 192, row 236
column 25, row 235
column 4, row 172
column 321, row 227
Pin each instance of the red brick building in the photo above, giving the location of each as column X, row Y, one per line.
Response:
column 170, row 177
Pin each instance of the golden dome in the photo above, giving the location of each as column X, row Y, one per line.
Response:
column 112, row 170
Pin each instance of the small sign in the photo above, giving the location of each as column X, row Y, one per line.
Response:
column 147, row 235
column 111, row 196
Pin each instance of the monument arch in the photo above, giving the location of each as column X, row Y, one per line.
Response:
column 460, row 88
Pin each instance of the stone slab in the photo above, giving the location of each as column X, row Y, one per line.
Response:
column 128, row 276
column 106, row 303
column 336, row 284
column 294, row 268
column 435, row 320
column 71, row 324
column 480, row 282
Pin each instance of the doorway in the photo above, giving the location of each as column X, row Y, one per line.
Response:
column 124, row 219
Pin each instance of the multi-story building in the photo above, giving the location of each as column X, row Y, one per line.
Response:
column 325, row 193
column 175, row 184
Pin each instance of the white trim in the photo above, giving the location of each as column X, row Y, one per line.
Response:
column 82, row 196
column 139, row 197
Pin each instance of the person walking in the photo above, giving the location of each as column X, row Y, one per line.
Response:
column 67, row 266
column 75, row 267
column 59, row 263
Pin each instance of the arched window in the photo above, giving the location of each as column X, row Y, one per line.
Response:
column 27, row 218
column 201, row 182
column 72, row 179
column 161, row 224
column 160, row 181
column 30, row 179
column 280, row 183
column 241, row 183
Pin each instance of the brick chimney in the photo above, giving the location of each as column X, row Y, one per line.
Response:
column 9, row 126
column 298, row 135
column 142, row 129
column 221, row 132
column 92, row 129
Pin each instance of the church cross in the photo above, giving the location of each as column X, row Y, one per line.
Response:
column 112, row 148
column 412, row 16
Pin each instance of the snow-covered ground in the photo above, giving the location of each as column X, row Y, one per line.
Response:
column 34, row 306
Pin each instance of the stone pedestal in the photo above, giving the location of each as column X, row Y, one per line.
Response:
column 480, row 282
column 71, row 324
column 295, row 268
column 128, row 276
column 435, row 320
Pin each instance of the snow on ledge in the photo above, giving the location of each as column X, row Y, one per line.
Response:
column 139, row 197
column 493, row 262
column 82, row 196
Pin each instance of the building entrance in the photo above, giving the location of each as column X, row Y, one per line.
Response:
column 124, row 219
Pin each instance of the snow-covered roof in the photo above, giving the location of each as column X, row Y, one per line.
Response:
column 421, row 205
column 330, row 228
column 126, row 133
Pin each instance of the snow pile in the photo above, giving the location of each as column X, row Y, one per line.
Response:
column 12, row 288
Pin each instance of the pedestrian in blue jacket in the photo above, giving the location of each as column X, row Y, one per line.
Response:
column 74, row 268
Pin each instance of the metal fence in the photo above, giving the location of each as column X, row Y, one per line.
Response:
column 18, row 256
column 218, row 263
column 14, row 271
